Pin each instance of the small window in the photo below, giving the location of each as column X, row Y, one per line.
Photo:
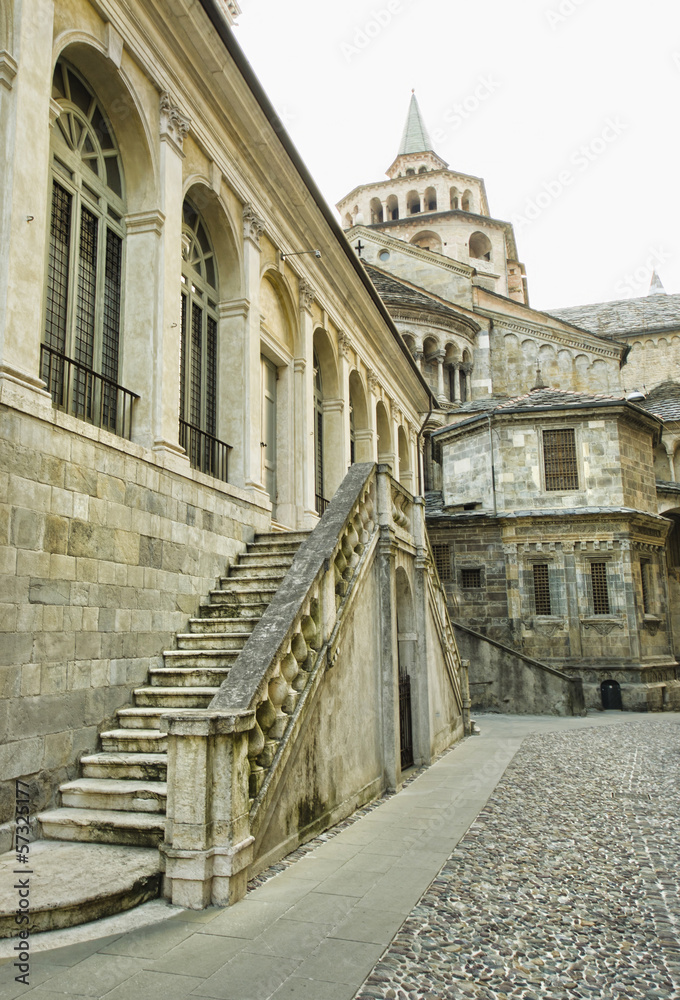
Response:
column 384, row 255
column 442, row 561
column 542, row 589
column 598, row 581
column 471, row 579
column 645, row 573
column 559, row 460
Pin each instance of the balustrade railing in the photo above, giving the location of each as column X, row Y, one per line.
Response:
column 206, row 452
column 79, row 390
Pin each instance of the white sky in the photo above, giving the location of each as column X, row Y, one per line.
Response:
column 538, row 81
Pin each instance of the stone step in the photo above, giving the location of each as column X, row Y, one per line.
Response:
column 212, row 640
column 104, row 826
column 248, row 610
column 74, row 883
column 250, row 585
column 188, row 677
column 200, row 658
column 241, row 574
column 262, row 558
column 112, row 793
column 137, row 766
column 225, row 626
column 141, row 718
column 170, row 698
column 278, row 538
column 243, row 597
column 134, row 741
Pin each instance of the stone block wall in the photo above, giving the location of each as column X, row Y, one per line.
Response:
column 104, row 555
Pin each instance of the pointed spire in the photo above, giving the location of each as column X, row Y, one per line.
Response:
column 656, row 288
column 415, row 138
column 540, row 384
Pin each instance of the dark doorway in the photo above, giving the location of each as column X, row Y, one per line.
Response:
column 405, row 723
column 611, row 695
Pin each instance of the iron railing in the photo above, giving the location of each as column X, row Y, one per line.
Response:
column 86, row 394
column 321, row 504
column 206, row 453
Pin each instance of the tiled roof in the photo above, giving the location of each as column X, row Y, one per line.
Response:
column 414, row 138
column 394, row 292
column 624, row 316
column 664, row 401
column 548, row 396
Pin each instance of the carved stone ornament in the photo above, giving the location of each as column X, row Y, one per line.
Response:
column 306, row 294
column 651, row 625
column 373, row 383
column 602, row 627
column 345, row 345
column 174, row 124
column 253, row 226
column 544, row 628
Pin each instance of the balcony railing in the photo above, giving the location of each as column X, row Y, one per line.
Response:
column 206, row 453
column 321, row 504
column 86, row 394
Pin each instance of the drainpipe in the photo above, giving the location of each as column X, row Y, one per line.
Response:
column 493, row 471
column 418, row 440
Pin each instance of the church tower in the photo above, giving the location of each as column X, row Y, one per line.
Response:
column 437, row 209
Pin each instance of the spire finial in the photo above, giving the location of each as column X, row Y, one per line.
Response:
column 656, row 288
column 540, row 384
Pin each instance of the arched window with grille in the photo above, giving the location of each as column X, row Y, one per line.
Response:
column 198, row 348
column 81, row 337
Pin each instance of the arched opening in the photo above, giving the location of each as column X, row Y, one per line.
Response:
column 676, row 465
column 422, row 170
column 382, row 423
column 430, row 200
column 428, row 241
column 480, row 246
column 376, row 211
column 405, row 473
column 348, row 220
column 455, row 199
column 451, row 363
column 393, row 208
column 466, row 201
column 410, row 342
column 406, row 659
column 410, row 172
column 465, row 377
column 361, row 436
column 329, row 460
column 80, row 352
column 429, row 367
column 611, row 696
column 413, row 203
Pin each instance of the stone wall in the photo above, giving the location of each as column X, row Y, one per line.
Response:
column 105, row 554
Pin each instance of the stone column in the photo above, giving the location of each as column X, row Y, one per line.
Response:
column 467, row 370
column 162, row 368
column 571, row 593
column 442, row 396
column 346, row 357
column 208, row 845
column 234, row 360
column 456, row 381
column 389, row 665
column 253, row 227
column 420, row 676
column 25, row 112
column 304, row 409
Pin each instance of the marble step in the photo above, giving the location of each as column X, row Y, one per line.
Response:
column 141, row 717
column 136, row 766
column 212, row 640
column 113, row 793
column 248, row 610
column 200, row 658
column 240, row 574
column 170, row 698
column 225, row 626
column 257, row 596
column 278, row 539
column 250, row 584
column 104, row 826
column 188, row 677
column 74, row 883
column 261, row 559
column 134, row 741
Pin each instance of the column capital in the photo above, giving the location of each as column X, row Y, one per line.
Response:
column 253, row 225
column 174, row 125
column 8, row 70
column 307, row 294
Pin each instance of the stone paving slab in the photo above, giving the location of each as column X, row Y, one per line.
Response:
column 297, row 937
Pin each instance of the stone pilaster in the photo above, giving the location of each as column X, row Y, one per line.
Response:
column 253, row 227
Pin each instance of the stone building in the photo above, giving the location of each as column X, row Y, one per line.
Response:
column 552, row 448
column 194, row 367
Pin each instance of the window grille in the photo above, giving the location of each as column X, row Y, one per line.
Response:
column 598, row 580
column 442, row 561
column 541, row 589
column 471, row 579
column 559, row 460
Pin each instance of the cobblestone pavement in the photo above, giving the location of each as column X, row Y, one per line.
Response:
column 566, row 886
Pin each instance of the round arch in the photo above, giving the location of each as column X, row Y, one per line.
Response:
column 277, row 296
column 382, row 423
column 329, row 451
column 405, row 471
column 428, row 241
column 361, row 436
column 480, row 246
column 216, row 218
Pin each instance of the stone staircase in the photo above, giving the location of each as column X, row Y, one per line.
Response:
column 121, row 796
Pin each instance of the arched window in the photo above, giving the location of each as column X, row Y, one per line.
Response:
column 454, row 199
column 430, row 200
column 81, row 339
column 413, row 202
column 198, row 345
column 376, row 211
column 422, row 170
column 480, row 246
column 466, row 204
column 410, row 172
column 392, row 208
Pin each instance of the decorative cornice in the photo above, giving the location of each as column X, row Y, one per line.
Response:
column 145, row 222
column 299, row 365
column 543, row 333
column 602, row 627
column 307, row 294
column 253, row 225
column 235, row 308
column 8, row 69
column 174, row 125
column 420, row 316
